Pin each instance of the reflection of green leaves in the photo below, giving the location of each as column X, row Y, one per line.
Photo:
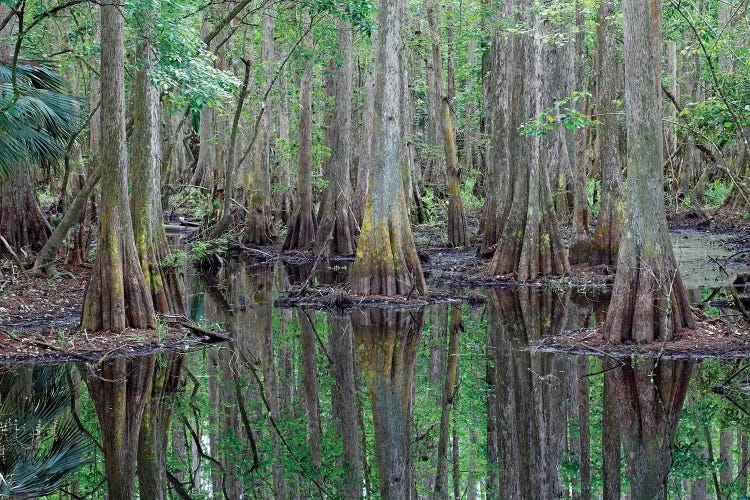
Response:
column 39, row 445
column 561, row 113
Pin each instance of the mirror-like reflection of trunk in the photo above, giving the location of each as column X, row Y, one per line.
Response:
column 344, row 403
column 154, row 434
column 120, row 389
column 649, row 395
column 529, row 391
column 387, row 343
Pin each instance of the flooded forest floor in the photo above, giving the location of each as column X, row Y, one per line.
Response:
column 40, row 314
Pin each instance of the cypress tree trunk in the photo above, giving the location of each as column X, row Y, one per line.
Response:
column 649, row 301
column 386, row 261
column 259, row 228
column 148, row 219
column 117, row 296
column 337, row 227
column 154, row 433
column 120, row 391
column 606, row 241
column 344, row 400
column 530, row 244
column 21, row 221
column 365, row 141
column 441, row 477
column 310, row 384
column 302, row 227
column 611, row 456
column 504, row 67
column 387, row 342
column 458, row 233
column 650, row 398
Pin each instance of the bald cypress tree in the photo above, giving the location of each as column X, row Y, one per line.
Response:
column 649, row 300
column 386, row 262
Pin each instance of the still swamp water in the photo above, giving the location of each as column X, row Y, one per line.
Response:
column 307, row 403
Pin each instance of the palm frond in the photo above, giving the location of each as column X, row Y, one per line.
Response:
column 37, row 117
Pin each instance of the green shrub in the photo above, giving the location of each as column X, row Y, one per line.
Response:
column 716, row 193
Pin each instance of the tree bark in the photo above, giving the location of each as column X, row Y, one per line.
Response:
column 649, row 301
column 458, row 233
column 344, row 399
column 310, row 384
column 303, row 226
column 154, row 432
column 530, row 244
column 386, row 262
column 117, row 296
column 449, row 388
column 146, row 157
column 650, row 398
column 387, row 342
column 606, row 241
column 259, row 217
column 337, row 227
column 120, row 391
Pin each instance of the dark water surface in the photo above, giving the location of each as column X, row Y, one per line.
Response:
column 311, row 404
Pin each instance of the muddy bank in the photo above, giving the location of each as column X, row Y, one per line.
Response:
column 710, row 338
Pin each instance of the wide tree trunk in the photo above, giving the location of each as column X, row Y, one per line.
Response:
column 386, row 261
column 120, row 391
column 530, row 244
column 504, row 68
column 146, row 157
column 387, row 342
column 530, row 409
column 302, row 227
column 606, row 241
column 337, row 227
column 21, row 221
column 649, row 301
column 650, row 397
column 117, row 296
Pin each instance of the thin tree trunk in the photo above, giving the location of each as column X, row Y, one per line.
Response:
column 337, row 227
column 606, row 241
column 458, row 233
column 302, row 227
column 449, row 387
column 310, row 384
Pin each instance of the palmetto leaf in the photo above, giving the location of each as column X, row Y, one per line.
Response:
column 39, row 444
column 37, row 117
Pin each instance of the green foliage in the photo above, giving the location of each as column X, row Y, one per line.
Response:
column 41, row 446
column 470, row 201
column 37, row 116
column 716, row 193
column 562, row 112
column 185, row 69
column 593, row 185
column 202, row 249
